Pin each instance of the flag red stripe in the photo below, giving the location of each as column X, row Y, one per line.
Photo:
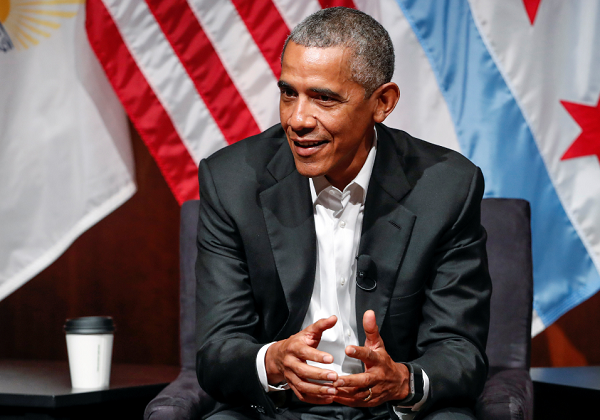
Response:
column 334, row 3
column 147, row 114
column 267, row 27
column 201, row 62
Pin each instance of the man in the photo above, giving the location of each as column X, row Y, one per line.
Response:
column 341, row 264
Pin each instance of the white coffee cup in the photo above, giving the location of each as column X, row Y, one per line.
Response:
column 89, row 345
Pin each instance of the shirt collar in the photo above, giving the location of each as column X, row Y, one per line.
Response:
column 320, row 183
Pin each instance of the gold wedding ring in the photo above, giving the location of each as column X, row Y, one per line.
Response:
column 370, row 395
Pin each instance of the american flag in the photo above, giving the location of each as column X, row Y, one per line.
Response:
column 197, row 75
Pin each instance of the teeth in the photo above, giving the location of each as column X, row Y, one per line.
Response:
column 309, row 143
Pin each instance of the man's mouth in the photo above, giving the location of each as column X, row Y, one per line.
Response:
column 309, row 144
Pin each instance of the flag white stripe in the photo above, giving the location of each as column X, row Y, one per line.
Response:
column 169, row 80
column 241, row 57
column 293, row 11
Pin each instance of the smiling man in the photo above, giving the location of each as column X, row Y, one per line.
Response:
column 341, row 264
column 326, row 114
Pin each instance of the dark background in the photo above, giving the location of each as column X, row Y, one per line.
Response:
column 127, row 266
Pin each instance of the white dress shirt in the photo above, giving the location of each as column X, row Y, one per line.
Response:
column 338, row 224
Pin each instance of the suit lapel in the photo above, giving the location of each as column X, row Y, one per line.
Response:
column 387, row 226
column 288, row 212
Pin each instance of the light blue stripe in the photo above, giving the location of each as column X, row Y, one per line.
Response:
column 493, row 133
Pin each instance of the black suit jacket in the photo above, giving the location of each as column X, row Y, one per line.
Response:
column 257, row 259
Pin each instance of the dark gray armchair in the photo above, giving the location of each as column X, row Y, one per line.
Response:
column 508, row 393
column 183, row 399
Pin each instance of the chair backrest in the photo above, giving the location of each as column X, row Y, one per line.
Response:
column 507, row 222
column 187, row 286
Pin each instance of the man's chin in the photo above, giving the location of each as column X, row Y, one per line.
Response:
column 309, row 170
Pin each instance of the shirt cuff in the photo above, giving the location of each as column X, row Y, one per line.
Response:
column 261, row 369
column 408, row 413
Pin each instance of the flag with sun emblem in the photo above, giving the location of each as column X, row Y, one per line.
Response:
column 65, row 158
column 513, row 84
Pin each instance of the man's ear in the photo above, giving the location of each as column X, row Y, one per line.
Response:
column 386, row 97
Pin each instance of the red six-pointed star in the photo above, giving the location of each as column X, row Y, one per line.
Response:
column 588, row 118
column 531, row 7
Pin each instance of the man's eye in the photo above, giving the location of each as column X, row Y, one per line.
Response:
column 287, row 92
column 325, row 98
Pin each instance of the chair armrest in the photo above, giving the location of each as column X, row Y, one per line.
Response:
column 507, row 395
column 182, row 399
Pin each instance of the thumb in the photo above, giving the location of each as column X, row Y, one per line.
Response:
column 316, row 330
column 373, row 339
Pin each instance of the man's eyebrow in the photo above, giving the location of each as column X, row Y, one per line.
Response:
column 325, row 92
column 321, row 91
column 283, row 85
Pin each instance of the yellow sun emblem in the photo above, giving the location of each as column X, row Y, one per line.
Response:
column 24, row 23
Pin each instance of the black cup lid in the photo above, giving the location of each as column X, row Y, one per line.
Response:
column 90, row 325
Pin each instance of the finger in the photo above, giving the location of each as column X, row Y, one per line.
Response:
column 312, row 389
column 312, row 373
column 364, row 354
column 308, row 390
column 351, row 392
column 373, row 339
column 303, row 352
column 358, row 380
column 313, row 399
column 312, row 336
column 355, row 398
column 321, row 325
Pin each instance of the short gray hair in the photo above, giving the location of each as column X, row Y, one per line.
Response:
column 372, row 62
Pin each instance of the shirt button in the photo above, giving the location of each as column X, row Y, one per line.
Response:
column 343, row 281
column 348, row 333
column 342, row 224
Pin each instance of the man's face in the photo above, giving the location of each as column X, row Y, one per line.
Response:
column 327, row 120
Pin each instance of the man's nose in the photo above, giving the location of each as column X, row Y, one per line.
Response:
column 302, row 117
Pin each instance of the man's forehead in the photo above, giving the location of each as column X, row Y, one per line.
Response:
column 337, row 53
column 322, row 65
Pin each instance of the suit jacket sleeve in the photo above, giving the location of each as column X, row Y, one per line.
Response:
column 226, row 316
column 452, row 335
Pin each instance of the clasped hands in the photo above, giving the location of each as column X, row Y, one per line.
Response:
column 383, row 379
